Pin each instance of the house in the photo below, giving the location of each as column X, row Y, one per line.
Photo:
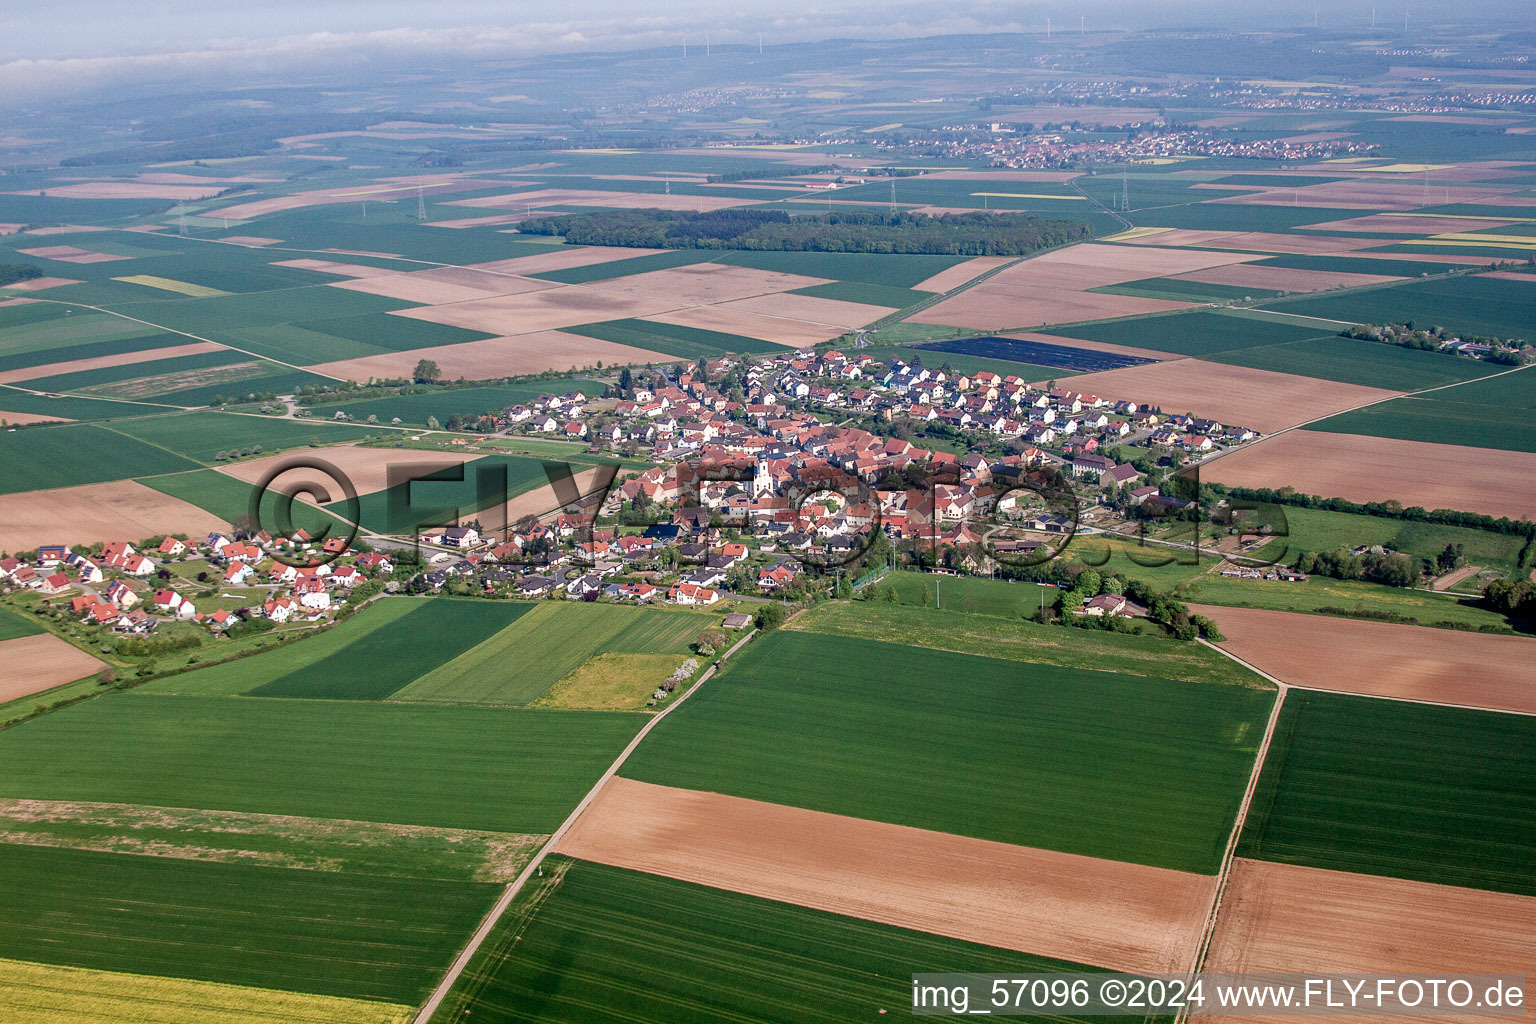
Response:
column 167, row 601
column 780, row 575
column 535, row 586
column 461, row 536
column 375, row 561
column 692, row 594
column 221, row 619
column 238, row 573
column 55, row 584
column 311, row 593
column 1105, row 604
column 102, row 614
column 52, row 554
column 133, row 565
column 171, row 547
column 120, row 594
column 278, row 609
column 347, row 576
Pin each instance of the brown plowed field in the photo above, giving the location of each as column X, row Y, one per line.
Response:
column 707, row 283
column 833, row 312
column 1383, row 659
column 1257, row 241
column 38, row 284
column 960, row 273
column 1362, row 469
column 116, row 359
column 19, row 418
column 127, row 190
column 1285, row 279
column 256, row 240
column 443, row 288
column 562, row 257
column 1262, row 400
column 368, row 468
column 497, row 357
column 71, row 254
column 1089, row 911
column 778, row 330
column 564, row 306
column 1283, row 918
column 1052, row 288
column 34, row 663
column 97, row 512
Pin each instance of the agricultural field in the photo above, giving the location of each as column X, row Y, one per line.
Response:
column 857, row 708
column 203, row 435
column 581, row 942
column 228, row 499
column 41, row 994
column 508, row 770
column 114, row 381
column 322, row 932
column 429, row 634
column 604, row 271
column 1352, row 361
column 520, row 664
column 889, row 270
column 1320, row 593
column 1348, row 779
column 49, row 457
column 1317, row 530
column 967, row 363
column 443, row 403
column 1489, row 413
column 676, row 340
column 1056, row 357
column 13, row 625
column 434, row 500
column 1202, row 333
column 1467, row 304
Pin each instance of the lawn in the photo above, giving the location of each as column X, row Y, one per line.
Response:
column 443, row 403
column 1129, row 768
column 203, row 435
column 480, row 768
column 1493, row 413
column 325, row 932
column 611, row 682
column 588, row 943
column 520, row 663
column 670, row 339
column 40, row 994
column 1465, row 304
column 1382, row 787
column 1366, row 363
column 430, row 633
column 1202, row 333
column 13, row 625
column 45, row 457
column 1015, row 640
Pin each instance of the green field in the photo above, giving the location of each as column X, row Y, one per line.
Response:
column 324, row 932
column 588, row 943
column 229, row 498
column 1146, row 654
column 13, row 625
column 670, row 339
column 1126, row 767
column 625, row 268
column 430, row 633
column 100, row 379
column 434, row 500
column 46, row 457
column 1366, row 363
column 872, row 294
column 1202, row 333
column 1494, row 413
column 41, row 357
column 202, row 435
column 414, row 409
column 1179, row 290
column 481, row 768
column 1320, row 592
column 1466, row 304
column 1309, row 529
column 520, row 663
column 1382, row 787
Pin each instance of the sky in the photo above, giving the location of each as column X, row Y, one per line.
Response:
column 69, row 45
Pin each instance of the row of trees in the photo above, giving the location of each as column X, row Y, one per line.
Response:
column 957, row 234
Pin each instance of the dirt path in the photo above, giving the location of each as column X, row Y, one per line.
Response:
column 440, row 993
column 1450, row 579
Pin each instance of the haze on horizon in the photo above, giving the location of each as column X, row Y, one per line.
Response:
column 78, row 46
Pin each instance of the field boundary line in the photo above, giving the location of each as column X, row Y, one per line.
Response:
column 435, row 1000
column 1208, row 933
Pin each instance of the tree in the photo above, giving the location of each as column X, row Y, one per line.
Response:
column 432, row 423
column 426, row 372
column 771, row 616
